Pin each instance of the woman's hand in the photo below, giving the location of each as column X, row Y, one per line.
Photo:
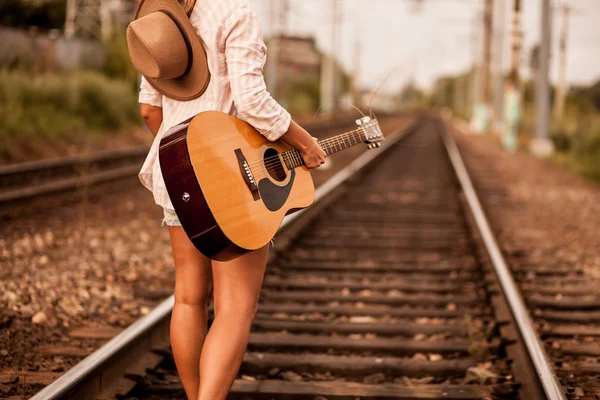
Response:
column 311, row 152
column 313, row 155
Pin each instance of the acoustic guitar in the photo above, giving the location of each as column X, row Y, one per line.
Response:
column 231, row 187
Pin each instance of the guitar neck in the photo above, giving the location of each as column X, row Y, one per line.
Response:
column 293, row 159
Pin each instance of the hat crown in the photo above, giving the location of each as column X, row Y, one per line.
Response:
column 157, row 46
column 166, row 49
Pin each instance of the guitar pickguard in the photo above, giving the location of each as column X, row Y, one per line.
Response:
column 275, row 196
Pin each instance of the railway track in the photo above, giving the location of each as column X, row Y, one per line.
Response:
column 561, row 297
column 24, row 181
column 392, row 286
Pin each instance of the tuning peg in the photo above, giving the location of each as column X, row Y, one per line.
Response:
column 366, row 119
column 378, row 144
column 358, row 122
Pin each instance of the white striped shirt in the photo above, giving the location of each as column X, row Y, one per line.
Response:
column 232, row 36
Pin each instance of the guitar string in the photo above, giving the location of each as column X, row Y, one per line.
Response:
column 327, row 142
column 335, row 141
column 296, row 159
column 265, row 172
column 274, row 162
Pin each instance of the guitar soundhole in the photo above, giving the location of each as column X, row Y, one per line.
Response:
column 273, row 165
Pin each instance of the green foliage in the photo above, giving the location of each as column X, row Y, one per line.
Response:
column 304, row 96
column 479, row 336
column 410, row 96
column 577, row 135
column 584, row 155
column 62, row 105
column 452, row 92
column 591, row 94
column 118, row 62
column 577, row 138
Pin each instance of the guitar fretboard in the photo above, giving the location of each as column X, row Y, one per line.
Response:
column 293, row 159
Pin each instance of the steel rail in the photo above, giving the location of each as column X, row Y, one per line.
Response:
column 136, row 151
column 81, row 370
column 535, row 348
column 71, row 161
column 69, row 183
column 67, row 382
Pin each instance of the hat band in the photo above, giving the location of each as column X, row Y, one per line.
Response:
column 186, row 39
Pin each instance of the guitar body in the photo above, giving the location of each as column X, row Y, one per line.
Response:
column 229, row 185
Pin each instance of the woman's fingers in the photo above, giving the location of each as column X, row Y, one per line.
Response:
column 314, row 156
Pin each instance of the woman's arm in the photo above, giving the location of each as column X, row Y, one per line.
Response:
column 245, row 52
column 152, row 116
column 150, row 106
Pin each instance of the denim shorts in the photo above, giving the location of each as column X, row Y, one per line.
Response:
column 170, row 218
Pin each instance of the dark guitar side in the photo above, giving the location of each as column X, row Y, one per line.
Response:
column 195, row 216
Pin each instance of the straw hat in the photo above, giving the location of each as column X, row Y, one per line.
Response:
column 165, row 48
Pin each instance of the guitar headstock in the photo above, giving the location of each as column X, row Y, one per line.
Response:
column 371, row 130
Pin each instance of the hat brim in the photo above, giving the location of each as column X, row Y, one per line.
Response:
column 195, row 82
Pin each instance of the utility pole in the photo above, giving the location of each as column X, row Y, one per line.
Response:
column 516, row 39
column 482, row 107
column 542, row 145
column 472, row 81
column 488, row 14
column 71, row 14
column 512, row 93
column 328, row 70
column 499, row 65
column 456, row 93
column 106, row 26
column 479, row 111
column 338, row 17
column 355, row 90
column 273, row 64
column 561, row 87
column 89, row 18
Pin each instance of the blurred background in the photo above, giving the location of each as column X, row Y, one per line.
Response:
column 67, row 86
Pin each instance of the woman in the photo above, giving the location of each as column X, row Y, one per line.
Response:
column 235, row 55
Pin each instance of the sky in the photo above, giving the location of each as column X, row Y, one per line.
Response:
column 395, row 42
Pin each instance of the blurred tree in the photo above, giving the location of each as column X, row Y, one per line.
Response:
column 593, row 94
column 43, row 14
column 118, row 63
column 442, row 94
column 303, row 96
column 410, row 96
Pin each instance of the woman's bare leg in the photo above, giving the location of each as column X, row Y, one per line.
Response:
column 193, row 278
column 237, row 285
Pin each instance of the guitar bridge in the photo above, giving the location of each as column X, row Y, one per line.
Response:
column 247, row 174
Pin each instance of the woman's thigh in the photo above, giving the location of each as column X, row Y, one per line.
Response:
column 237, row 282
column 193, row 275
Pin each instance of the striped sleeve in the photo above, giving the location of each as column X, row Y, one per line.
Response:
column 149, row 95
column 245, row 54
